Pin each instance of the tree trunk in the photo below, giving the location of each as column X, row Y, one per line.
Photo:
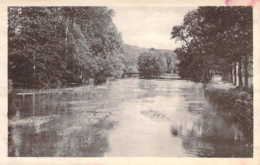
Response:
column 231, row 74
column 235, row 74
column 240, row 72
column 208, row 75
column 246, row 71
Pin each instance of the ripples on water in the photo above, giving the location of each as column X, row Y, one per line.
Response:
column 129, row 117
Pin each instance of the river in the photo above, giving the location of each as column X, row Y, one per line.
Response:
column 127, row 117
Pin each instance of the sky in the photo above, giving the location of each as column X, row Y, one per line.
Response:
column 149, row 27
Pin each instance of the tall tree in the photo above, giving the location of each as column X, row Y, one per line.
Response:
column 214, row 38
column 56, row 46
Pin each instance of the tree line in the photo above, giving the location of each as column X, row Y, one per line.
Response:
column 216, row 40
column 59, row 46
column 154, row 62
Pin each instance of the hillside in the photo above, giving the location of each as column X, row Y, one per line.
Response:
column 131, row 54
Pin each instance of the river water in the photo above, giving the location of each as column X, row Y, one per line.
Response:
column 127, row 117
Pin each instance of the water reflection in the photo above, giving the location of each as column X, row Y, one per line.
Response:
column 129, row 117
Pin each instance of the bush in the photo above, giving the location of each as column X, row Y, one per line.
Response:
column 236, row 102
column 151, row 64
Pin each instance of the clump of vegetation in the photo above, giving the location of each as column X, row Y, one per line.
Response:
column 60, row 46
column 241, row 100
column 236, row 102
column 153, row 63
column 216, row 39
column 150, row 64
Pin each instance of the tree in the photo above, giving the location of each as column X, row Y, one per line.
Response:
column 57, row 46
column 215, row 38
column 151, row 64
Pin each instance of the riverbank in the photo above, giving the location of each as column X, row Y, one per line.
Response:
column 25, row 103
column 235, row 102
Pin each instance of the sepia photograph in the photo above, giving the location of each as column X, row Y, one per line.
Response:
column 130, row 81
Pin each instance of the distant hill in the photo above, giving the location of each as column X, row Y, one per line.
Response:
column 131, row 54
column 133, row 51
column 165, row 51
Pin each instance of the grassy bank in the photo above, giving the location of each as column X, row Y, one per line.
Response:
column 40, row 102
column 235, row 102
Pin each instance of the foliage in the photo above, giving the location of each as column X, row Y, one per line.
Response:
column 151, row 64
column 131, row 54
column 57, row 46
column 241, row 108
column 213, row 38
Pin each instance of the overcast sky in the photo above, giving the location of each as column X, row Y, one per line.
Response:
column 149, row 26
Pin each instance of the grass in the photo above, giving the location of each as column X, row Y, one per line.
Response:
column 235, row 101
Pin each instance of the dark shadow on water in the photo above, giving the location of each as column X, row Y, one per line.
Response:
column 216, row 147
column 89, row 141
